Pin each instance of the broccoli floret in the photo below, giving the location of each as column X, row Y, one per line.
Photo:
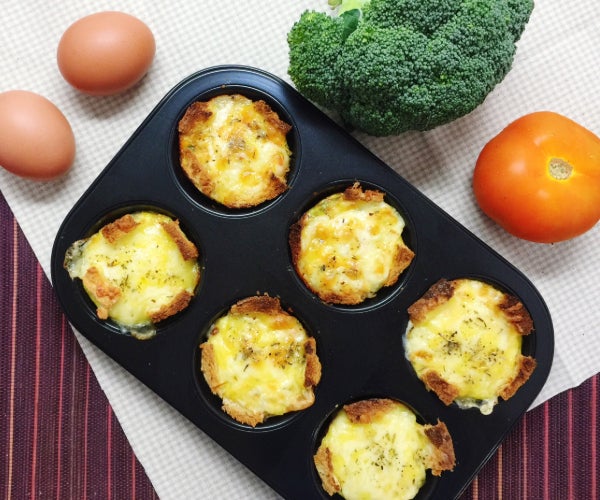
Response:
column 388, row 66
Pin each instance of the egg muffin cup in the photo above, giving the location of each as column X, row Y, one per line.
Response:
column 381, row 447
column 245, row 252
column 138, row 269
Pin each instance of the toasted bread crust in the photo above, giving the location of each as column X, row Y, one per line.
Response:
column 295, row 242
column 243, row 415
column 179, row 303
column 445, row 391
column 312, row 374
column 437, row 294
column 443, row 459
column 258, row 303
column 197, row 112
column 356, row 193
column 526, row 367
column 106, row 294
column 515, row 313
column 208, row 363
column 402, row 260
column 367, row 410
column 271, row 117
column 187, row 249
column 197, row 173
column 116, row 229
column 324, row 465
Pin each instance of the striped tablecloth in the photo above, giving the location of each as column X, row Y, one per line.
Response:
column 59, row 438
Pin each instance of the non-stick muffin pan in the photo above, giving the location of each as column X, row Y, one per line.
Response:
column 245, row 252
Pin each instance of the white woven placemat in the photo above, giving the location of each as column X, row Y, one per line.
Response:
column 555, row 69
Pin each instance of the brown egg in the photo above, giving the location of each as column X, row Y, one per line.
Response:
column 36, row 140
column 105, row 53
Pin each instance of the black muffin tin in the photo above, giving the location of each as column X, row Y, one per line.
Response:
column 246, row 252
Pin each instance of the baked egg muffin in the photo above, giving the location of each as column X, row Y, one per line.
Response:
column 138, row 270
column 349, row 245
column 235, row 150
column 464, row 341
column 375, row 449
column 260, row 361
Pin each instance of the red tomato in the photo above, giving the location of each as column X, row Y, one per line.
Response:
column 539, row 178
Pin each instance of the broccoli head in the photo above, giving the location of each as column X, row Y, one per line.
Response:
column 388, row 66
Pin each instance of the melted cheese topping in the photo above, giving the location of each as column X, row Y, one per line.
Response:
column 349, row 248
column 238, row 155
column 382, row 459
column 260, row 363
column 144, row 266
column 469, row 342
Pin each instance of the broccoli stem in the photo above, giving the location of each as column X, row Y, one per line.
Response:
column 346, row 5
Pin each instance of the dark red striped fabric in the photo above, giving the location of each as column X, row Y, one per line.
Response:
column 551, row 454
column 59, row 438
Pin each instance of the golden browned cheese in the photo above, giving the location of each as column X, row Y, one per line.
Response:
column 260, row 361
column 349, row 246
column 138, row 270
column 464, row 340
column 375, row 448
column 235, row 150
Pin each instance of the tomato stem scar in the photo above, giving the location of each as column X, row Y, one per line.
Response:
column 559, row 169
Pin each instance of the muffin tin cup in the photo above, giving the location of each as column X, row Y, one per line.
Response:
column 425, row 492
column 246, row 252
